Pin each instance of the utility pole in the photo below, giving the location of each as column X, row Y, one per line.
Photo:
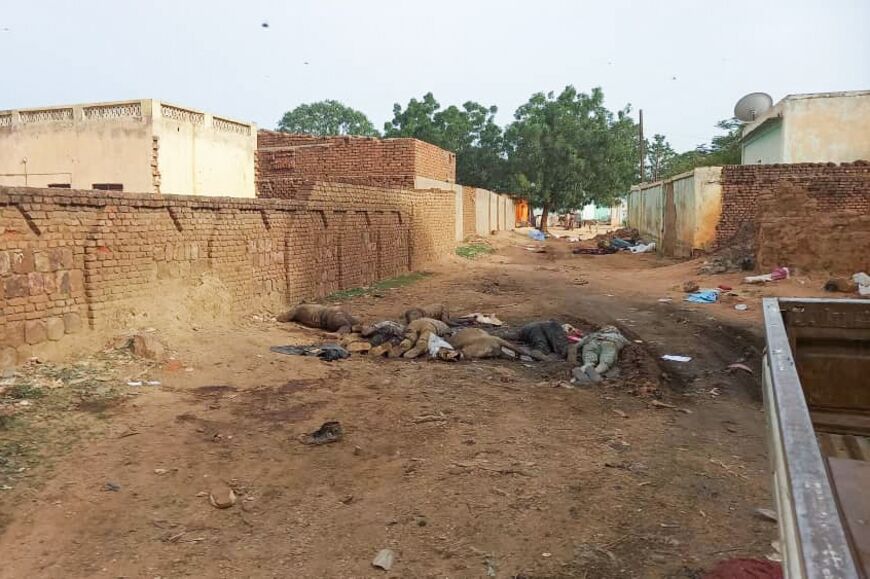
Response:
column 641, row 147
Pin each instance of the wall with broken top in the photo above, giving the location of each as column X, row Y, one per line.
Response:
column 72, row 261
column 814, row 216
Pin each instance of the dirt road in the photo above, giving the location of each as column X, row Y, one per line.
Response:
column 473, row 469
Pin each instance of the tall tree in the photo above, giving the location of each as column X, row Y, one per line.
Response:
column 326, row 118
column 659, row 155
column 568, row 150
column 471, row 132
column 722, row 150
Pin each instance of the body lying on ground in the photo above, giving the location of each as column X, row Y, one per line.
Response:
column 329, row 318
column 417, row 334
column 599, row 351
column 547, row 337
column 433, row 311
column 477, row 343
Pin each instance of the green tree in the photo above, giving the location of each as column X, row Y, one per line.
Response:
column 659, row 156
column 471, row 132
column 326, row 118
column 568, row 150
column 722, row 150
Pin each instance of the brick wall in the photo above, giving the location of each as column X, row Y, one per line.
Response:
column 77, row 260
column 837, row 188
column 807, row 216
column 434, row 162
column 814, row 230
column 357, row 160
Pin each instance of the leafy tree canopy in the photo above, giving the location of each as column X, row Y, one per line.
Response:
column 724, row 149
column 470, row 131
column 326, row 118
column 568, row 150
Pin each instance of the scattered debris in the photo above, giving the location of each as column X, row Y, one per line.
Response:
column 620, row 413
column 643, row 248
column 768, row 514
column 330, row 431
column 775, row 275
column 384, row 559
column 863, row 281
column 537, row 234
column 741, row 307
column 665, row 300
column 222, row 496
column 676, row 358
column 744, row 367
column 147, row 346
column 326, row 352
column 161, row 471
column 111, row 486
column 708, row 296
column 724, row 288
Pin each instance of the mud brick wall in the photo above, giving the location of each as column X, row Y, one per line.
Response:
column 356, row 160
column 433, row 162
column 72, row 261
column 433, row 214
column 469, row 212
column 837, row 187
column 819, row 230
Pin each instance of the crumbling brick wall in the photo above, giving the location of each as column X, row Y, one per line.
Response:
column 74, row 260
column 812, row 216
column 357, row 160
column 814, row 230
column 841, row 187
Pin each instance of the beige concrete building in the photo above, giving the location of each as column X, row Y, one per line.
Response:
column 811, row 128
column 140, row 146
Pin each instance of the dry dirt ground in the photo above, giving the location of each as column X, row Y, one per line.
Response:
column 472, row 469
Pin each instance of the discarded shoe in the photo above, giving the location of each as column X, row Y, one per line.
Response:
column 328, row 432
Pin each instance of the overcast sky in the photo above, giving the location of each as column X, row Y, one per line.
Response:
column 684, row 62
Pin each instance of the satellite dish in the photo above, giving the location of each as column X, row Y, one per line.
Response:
column 752, row 106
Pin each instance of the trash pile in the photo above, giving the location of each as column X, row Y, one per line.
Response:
column 430, row 331
column 737, row 255
column 625, row 239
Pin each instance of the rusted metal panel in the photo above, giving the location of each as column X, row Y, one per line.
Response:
column 813, row 533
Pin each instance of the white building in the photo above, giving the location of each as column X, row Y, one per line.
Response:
column 141, row 146
column 811, row 128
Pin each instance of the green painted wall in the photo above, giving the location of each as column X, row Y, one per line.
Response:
column 764, row 148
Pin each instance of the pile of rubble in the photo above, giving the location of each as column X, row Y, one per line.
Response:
column 624, row 239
